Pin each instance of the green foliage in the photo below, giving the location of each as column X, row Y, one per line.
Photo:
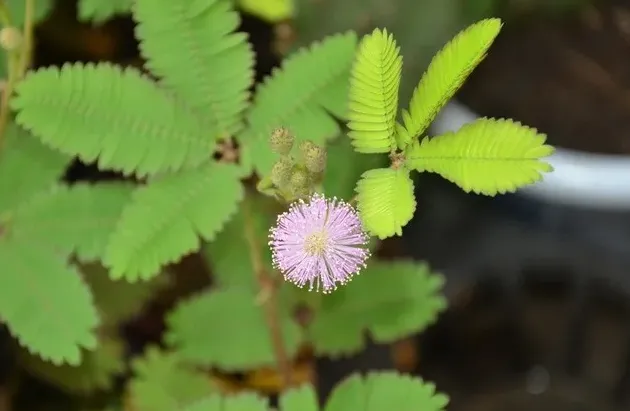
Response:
column 391, row 300
column 97, row 370
column 45, row 303
column 345, row 166
column 126, row 123
column 217, row 72
column 311, row 85
column 244, row 402
column 385, row 390
column 37, row 166
column 374, row 94
column 99, row 11
column 227, row 255
column 119, row 301
column 241, row 347
column 486, row 156
column 161, row 382
column 165, row 219
column 71, row 219
column 376, row 391
column 269, row 10
column 447, row 72
column 169, row 130
column 16, row 14
column 385, row 200
column 420, row 27
column 16, row 10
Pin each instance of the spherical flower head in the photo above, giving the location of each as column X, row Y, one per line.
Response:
column 320, row 242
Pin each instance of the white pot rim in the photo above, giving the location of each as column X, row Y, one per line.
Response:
column 591, row 180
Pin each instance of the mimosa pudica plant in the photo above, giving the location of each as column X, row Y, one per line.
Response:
column 190, row 135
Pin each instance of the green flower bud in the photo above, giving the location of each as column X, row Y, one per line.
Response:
column 281, row 141
column 300, row 183
column 281, row 172
column 10, row 38
column 314, row 156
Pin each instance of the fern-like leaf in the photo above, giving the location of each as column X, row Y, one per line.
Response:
column 161, row 382
column 374, row 83
column 193, row 48
column 44, row 302
column 301, row 95
column 385, row 390
column 99, row 11
column 447, row 72
column 234, row 350
column 26, row 167
column 247, row 401
column 118, row 116
column 96, row 371
column 403, row 138
column 76, row 219
column 390, row 300
column 164, row 220
column 386, row 201
column 486, row 156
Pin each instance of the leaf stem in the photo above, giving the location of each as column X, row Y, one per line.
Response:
column 269, row 293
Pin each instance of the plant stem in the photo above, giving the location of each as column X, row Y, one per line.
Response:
column 18, row 61
column 269, row 292
column 27, row 51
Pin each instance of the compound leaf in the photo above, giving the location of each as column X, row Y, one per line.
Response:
column 391, row 300
column 118, row 116
column 235, row 350
column 301, row 95
column 96, row 371
column 374, row 83
column 447, row 72
column 161, row 382
column 78, row 218
column 487, row 156
column 26, row 167
column 239, row 402
column 385, row 200
column 165, row 219
column 193, row 48
column 99, row 11
column 44, row 302
column 385, row 390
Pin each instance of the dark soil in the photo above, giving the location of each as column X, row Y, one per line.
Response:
column 567, row 75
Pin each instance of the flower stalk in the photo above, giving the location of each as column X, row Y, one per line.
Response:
column 269, row 293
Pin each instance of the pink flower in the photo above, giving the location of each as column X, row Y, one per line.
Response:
column 321, row 243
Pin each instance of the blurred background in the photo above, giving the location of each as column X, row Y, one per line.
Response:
column 538, row 281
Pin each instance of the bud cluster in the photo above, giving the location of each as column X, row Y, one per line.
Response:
column 296, row 176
